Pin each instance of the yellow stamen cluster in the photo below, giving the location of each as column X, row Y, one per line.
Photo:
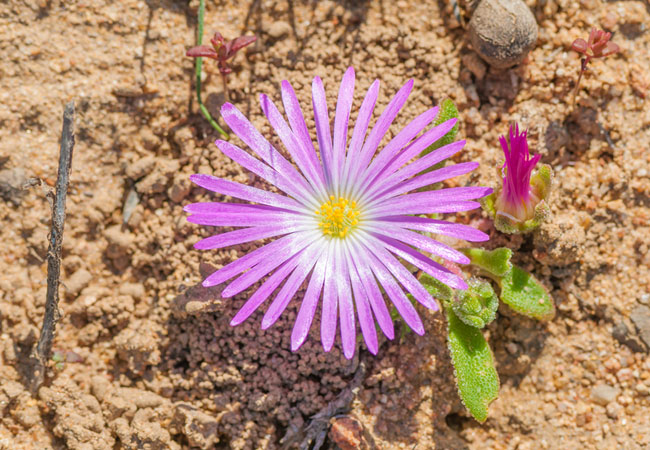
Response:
column 338, row 217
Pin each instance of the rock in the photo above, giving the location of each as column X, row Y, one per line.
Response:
column 640, row 316
column 614, row 410
column 141, row 168
column 347, row 433
column 502, row 32
column 200, row 428
column 559, row 242
column 180, row 188
column 603, row 394
column 623, row 334
column 556, row 137
column 11, row 184
column 78, row 281
column 279, row 29
column 137, row 345
column 475, row 65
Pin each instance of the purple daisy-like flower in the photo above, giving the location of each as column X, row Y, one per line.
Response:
column 345, row 221
column 518, row 198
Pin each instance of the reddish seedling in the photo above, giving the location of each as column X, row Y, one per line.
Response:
column 598, row 45
column 221, row 51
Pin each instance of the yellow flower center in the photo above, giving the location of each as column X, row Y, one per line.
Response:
column 338, row 218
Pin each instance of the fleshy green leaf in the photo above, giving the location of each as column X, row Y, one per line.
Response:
column 476, row 377
column 477, row 306
column 525, row 295
column 437, row 289
column 496, row 262
column 448, row 111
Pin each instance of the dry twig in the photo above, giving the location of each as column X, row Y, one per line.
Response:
column 44, row 346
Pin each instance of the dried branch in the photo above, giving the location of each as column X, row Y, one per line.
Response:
column 44, row 346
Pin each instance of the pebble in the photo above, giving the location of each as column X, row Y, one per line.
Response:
column 502, row 32
column 640, row 316
column 78, row 281
column 603, row 394
column 279, row 29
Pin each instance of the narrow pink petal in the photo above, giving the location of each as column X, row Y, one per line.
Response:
column 310, row 302
column 279, row 304
column 433, row 197
column 244, row 235
column 359, row 133
column 422, row 262
column 418, row 146
column 346, row 307
column 263, row 171
column 397, row 296
column 341, row 119
column 321, row 118
column 366, row 320
column 417, row 166
column 383, row 123
column 245, row 130
column 372, row 291
column 299, row 127
column 328, row 320
column 290, row 142
column 427, row 179
column 402, row 275
column 398, row 143
column 456, row 230
column 244, row 192
column 264, row 267
column 247, row 219
column 264, row 291
column 422, row 242
column 289, row 244
column 206, row 208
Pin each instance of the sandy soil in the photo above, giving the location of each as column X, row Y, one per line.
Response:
column 149, row 358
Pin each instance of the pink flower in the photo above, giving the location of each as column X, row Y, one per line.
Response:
column 348, row 217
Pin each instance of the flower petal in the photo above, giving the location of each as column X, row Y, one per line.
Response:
column 245, row 235
column 366, row 319
column 244, row 192
column 322, row 121
column 265, row 172
column 381, row 126
column 422, row 262
column 328, row 320
column 248, row 220
column 310, row 301
column 402, row 275
column 215, row 208
column 299, row 128
column 425, row 180
column 291, row 243
column 456, row 230
column 372, row 290
column 279, row 304
column 245, row 130
column 265, row 290
column 398, row 143
column 424, row 200
column 343, row 107
column 346, row 307
column 422, row 242
column 291, row 143
column 397, row 296
column 264, row 267
column 359, row 134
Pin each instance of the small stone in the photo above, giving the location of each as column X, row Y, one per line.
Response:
column 347, row 433
column 603, row 394
column 141, row 167
column 502, row 32
column 614, row 410
column 475, row 65
column 640, row 316
column 279, row 29
column 78, row 281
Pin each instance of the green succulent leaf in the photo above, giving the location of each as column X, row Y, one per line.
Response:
column 495, row 262
column 448, row 111
column 477, row 306
column 526, row 295
column 476, row 377
column 436, row 288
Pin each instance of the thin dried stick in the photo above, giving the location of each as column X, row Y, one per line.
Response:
column 44, row 346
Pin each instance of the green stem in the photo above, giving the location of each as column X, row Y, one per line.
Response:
column 197, row 71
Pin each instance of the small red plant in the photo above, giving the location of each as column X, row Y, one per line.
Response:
column 221, row 50
column 598, row 45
